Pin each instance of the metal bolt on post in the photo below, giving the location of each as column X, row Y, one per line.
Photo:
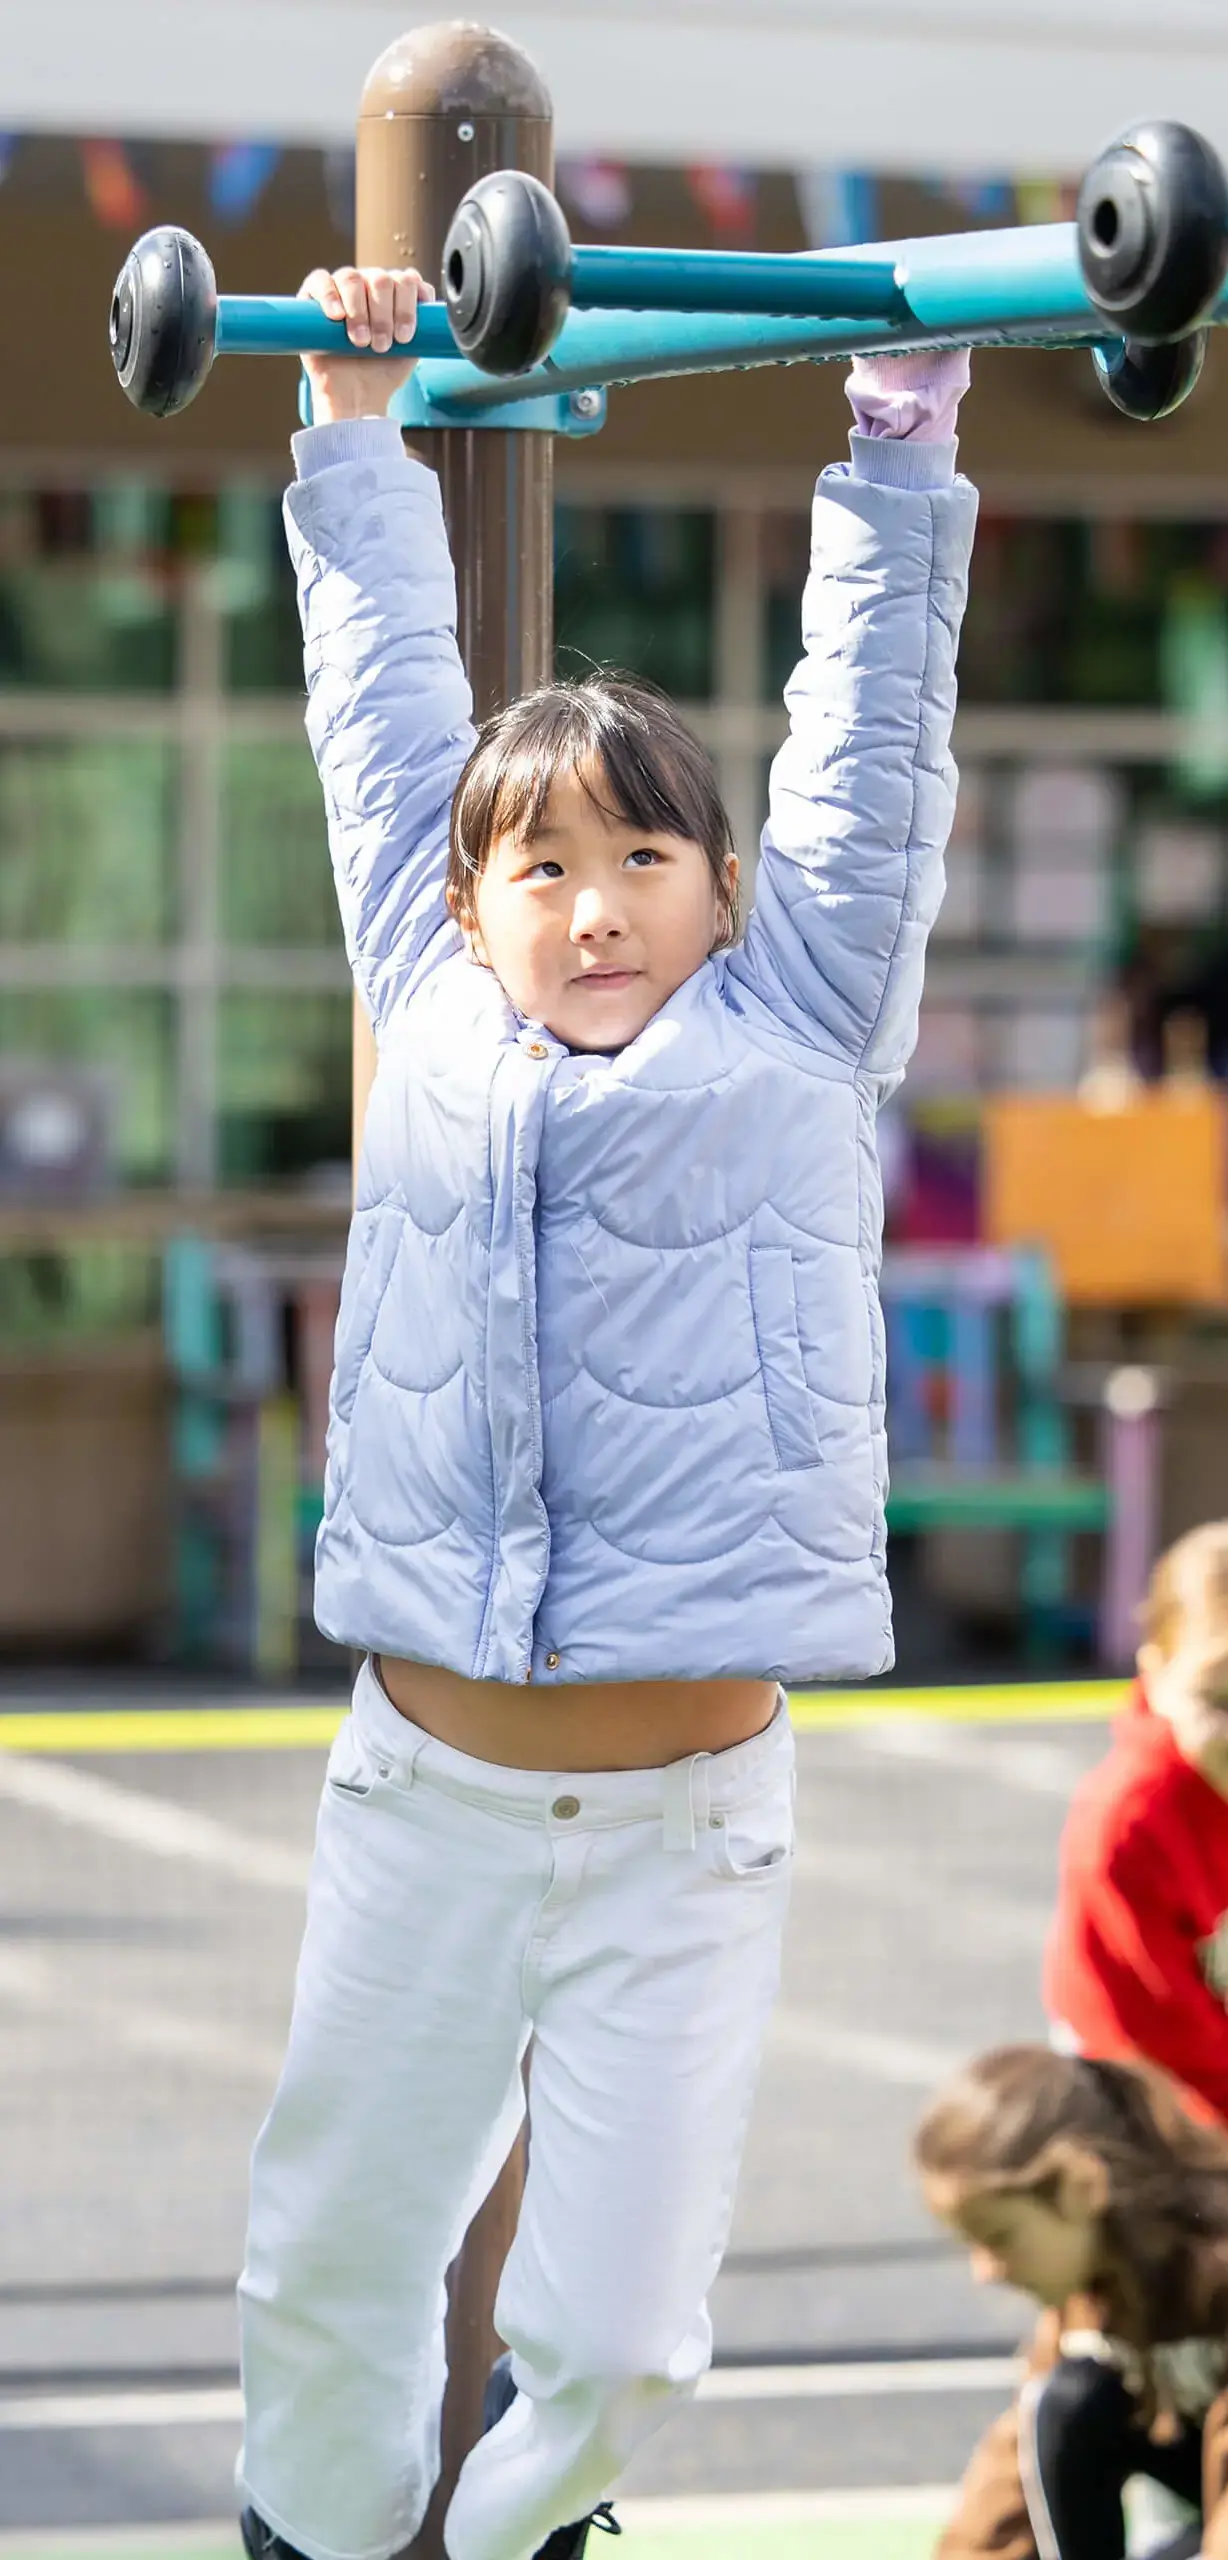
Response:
column 442, row 107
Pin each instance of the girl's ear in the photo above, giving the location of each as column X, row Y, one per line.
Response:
column 469, row 928
column 727, row 904
column 1081, row 2182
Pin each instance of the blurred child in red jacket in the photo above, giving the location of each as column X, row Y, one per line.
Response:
column 1137, row 1964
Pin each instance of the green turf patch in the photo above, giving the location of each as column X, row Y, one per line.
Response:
column 845, row 2538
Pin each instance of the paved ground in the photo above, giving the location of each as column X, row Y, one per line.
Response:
column 149, row 1911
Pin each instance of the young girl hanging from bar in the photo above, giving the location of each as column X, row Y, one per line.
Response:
column 606, row 1459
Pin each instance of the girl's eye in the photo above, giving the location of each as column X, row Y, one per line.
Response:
column 643, row 855
column 546, row 869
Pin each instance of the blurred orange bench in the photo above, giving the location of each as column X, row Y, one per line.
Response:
column 1129, row 1204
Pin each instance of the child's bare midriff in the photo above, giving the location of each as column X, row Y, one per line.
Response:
column 608, row 1724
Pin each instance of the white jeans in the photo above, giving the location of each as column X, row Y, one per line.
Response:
column 630, row 1922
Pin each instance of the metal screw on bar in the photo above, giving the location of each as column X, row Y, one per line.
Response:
column 442, row 107
column 585, row 404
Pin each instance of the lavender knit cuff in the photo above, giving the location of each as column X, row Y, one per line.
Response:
column 912, row 397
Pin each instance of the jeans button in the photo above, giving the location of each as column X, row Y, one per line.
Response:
column 565, row 1808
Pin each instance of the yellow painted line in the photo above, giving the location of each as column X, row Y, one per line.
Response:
column 1012, row 1702
column 273, row 1728
column 173, row 1729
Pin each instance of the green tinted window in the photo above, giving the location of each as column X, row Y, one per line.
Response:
column 263, row 651
column 284, row 1081
column 277, row 885
column 88, row 589
column 80, row 1293
column 634, row 587
column 786, row 550
column 87, row 830
column 126, row 1035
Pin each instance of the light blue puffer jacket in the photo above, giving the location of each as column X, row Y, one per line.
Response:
column 608, row 1400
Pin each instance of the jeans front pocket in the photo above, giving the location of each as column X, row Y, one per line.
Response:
column 353, row 1767
column 773, row 1298
column 750, row 1842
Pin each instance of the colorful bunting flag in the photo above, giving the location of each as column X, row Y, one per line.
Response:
column 727, row 197
column 600, row 190
column 112, row 186
column 838, row 207
column 1044, row 200
column 239, row 172
column 983, row 199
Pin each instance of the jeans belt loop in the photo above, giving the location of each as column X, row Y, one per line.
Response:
column 678, row 1805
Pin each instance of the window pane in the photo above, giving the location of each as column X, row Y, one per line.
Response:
column 263, row 642
column 87, row 829
column 276, row 885
column 87, row 591
column 127, row 1038
column 634, row 587
column 85, row 1293
column 786, row 550
column 284, row 1079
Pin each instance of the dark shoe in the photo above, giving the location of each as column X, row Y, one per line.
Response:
column 259, row 2540
column 499, row 2395
column 567, row 2540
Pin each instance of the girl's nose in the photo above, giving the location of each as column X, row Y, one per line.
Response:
column 594, row 917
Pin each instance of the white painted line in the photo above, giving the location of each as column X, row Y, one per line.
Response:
column 48, row 1990
column 1033, row 1767
column 143, row 1821
column 32, row 2413
column 968, row 1926
column 887, row 2381
column 904, row 2061
column 123, row 2542
column 926, row 2503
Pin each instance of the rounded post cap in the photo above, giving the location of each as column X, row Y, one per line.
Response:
column 457, row 67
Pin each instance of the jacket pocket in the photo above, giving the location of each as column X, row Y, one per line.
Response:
column 773, row 1298
column 357, row 1319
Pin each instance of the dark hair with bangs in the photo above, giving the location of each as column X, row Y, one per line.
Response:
column 610, row 730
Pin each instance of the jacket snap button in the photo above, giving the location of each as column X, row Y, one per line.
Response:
column 538, row 1049
column 565, row 1808
column 552, row 1661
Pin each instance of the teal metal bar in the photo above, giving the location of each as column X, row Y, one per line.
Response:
column 826, row 285
column 996, row 288
column 289, row 324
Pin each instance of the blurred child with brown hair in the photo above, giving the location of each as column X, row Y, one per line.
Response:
column 1137, row 1963
column 1085, row 2185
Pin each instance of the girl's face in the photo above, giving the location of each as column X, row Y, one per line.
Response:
column 593, row 926
column 1188, row 1686
column 1046, row 2244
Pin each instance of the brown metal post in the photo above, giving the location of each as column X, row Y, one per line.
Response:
column 443, row 106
